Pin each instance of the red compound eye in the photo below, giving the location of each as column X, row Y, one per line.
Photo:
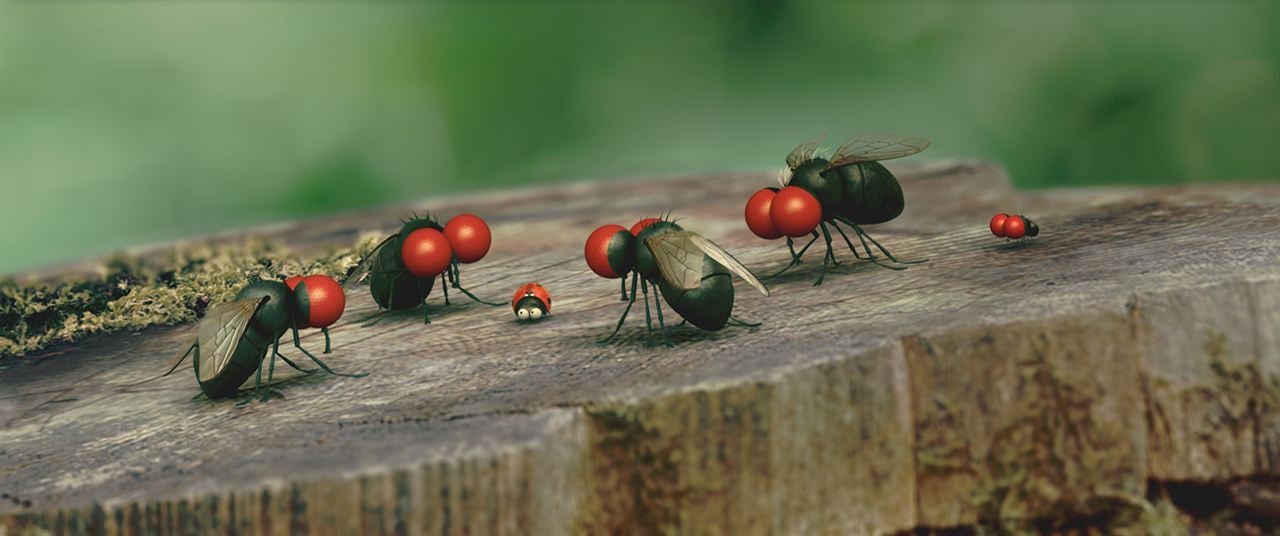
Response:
column 292, row 281
column 1014, row 227
column 757, row 214
column 997, row 224
column 610, row 251
column 640, row 225
column 426, row 253
column 320, row 301
column 469, row 237
column 795, row 212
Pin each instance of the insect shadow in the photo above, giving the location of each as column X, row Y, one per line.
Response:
column 379, row 316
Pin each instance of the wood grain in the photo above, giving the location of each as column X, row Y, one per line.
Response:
column 1135, row 339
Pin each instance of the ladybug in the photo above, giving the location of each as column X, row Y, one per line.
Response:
column 1013, row 226
column 531, row 302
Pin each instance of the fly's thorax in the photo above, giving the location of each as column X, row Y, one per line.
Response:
column 871, row 193
column 645, row 264
column 415, row 224
column 275, row 316
column 411, row 225
column 827, row 188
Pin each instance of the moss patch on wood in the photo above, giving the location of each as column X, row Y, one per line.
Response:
column 130, row 292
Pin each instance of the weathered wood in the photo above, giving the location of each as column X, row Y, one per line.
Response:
column 1137, row 339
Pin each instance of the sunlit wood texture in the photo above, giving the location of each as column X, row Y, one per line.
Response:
column 1135, row 339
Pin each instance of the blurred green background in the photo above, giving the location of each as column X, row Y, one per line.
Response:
column 129, row 123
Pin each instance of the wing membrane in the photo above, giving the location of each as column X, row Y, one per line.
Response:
column 679, row 256
column 804, row 151
column 220, row 331
column 361, row 270
column 875, row 146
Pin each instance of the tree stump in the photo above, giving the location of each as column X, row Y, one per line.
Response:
column 1137, row 340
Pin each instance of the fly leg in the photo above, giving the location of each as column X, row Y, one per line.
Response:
column 886, row 253
column 830, row 251
column 455, row 276
column 271, row 372
column 325, row 331
column 825, row 259
column 624, row 311
column 863, row 238
column 795, row 257
column 297, row 343
column 657, row 304
column 648, row 321
column 623, row 280
column 445, row 288
column 742, row 323
column 296, row 366
column 194, row 346
column 257, row 386
column 856, row 255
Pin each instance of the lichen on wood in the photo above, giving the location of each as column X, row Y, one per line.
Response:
column 133, row 292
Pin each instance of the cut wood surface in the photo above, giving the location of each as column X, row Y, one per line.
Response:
column 1137, row 339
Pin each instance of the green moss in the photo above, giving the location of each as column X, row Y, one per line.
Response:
column 132, row 292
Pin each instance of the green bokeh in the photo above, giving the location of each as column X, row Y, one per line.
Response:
column 128, row 123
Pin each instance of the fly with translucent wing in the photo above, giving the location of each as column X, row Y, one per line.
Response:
column 692, row 273
column 820, row 192
column 402, row 269
column 234, row 337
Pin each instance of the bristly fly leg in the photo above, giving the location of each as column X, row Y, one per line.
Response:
column 795, row 257
column 648, row 321
column 623, row 318
column 826, row 259
column 455, row 277
column 297, row 343
column 848, row 242
column 657, row 305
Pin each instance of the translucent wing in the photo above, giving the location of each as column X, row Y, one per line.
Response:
column 219, row 333
column 874, row 146
column 804, row 151
column 679, row 257
column 361, row 270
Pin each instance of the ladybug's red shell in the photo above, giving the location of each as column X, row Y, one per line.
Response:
column 532, row 290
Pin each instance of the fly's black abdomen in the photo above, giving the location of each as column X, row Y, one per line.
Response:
column 242, row 365
column 707, row 306
column 406, row 291
column 871, row 193
column 392, row 286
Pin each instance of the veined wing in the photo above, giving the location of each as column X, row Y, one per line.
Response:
column 679, row 256
column 361, row 270
column 875, row 146
column 220, row 331
column 804, row 151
